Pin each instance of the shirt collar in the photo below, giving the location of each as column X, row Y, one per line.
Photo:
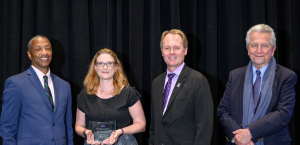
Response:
column 39, row 73
column 262, row 70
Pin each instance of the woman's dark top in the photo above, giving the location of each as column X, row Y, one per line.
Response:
column 111, row 109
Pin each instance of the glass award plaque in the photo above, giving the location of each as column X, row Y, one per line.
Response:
column 102, row 130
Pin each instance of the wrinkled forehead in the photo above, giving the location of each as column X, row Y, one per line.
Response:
column 260, row 36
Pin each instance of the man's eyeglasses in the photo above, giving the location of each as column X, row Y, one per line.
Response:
column 102, row 64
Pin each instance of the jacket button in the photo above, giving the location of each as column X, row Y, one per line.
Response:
column 163, row 143
column 162, row 126
column 53, row 124
column 53, row 139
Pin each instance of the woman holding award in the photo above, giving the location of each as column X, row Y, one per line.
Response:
column 106, row 97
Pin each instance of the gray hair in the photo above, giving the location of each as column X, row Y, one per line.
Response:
column 37, row 36
column 264, row 29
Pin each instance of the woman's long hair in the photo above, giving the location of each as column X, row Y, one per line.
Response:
column 92, row 82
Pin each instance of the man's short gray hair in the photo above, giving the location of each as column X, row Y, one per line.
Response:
column 30, row 41
column 264, row 29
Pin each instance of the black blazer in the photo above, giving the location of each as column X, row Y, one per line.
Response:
column 273, row 127
column 189, row 116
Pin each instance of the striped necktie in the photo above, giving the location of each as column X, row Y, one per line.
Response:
column 48, row 92
column 167, row 90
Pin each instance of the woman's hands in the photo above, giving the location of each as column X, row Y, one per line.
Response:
column 90, row 137
column 113, row 138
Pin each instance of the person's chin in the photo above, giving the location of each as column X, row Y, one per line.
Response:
column 173, row 64
column 259, row 61
column 106, row 78
column 42, row 65
column 45, row 63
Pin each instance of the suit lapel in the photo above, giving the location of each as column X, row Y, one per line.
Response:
column 273, row 99
column 178, row 85
column 56, row 90
column 161, row 86
column 32, row 76
column 241, row 93
column 275, row 77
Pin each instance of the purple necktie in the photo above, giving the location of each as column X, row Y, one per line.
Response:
column 167, row 90
column 256, row 89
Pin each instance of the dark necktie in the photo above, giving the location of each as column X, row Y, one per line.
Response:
column 48, row 92
column 256, row 89
column 167, row 90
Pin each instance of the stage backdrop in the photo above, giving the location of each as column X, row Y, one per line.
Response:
column 216, row 30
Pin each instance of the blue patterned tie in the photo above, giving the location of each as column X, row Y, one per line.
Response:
column 256, row 89
column 167, row 90
column 48, row 92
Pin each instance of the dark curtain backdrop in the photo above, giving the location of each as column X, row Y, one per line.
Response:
column 216, row 31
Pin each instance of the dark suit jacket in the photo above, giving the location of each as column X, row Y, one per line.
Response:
column 189, row 116
column 27, row 117
column 273, row 127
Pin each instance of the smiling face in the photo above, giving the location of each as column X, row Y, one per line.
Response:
column 105, row 72
column 260, row 49
column 173, row 51
column 40, row 54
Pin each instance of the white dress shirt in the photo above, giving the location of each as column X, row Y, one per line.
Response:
column 50, row 82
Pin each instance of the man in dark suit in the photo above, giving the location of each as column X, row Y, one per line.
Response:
column 181, row 105
column 36, row 103
column 259, row 99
